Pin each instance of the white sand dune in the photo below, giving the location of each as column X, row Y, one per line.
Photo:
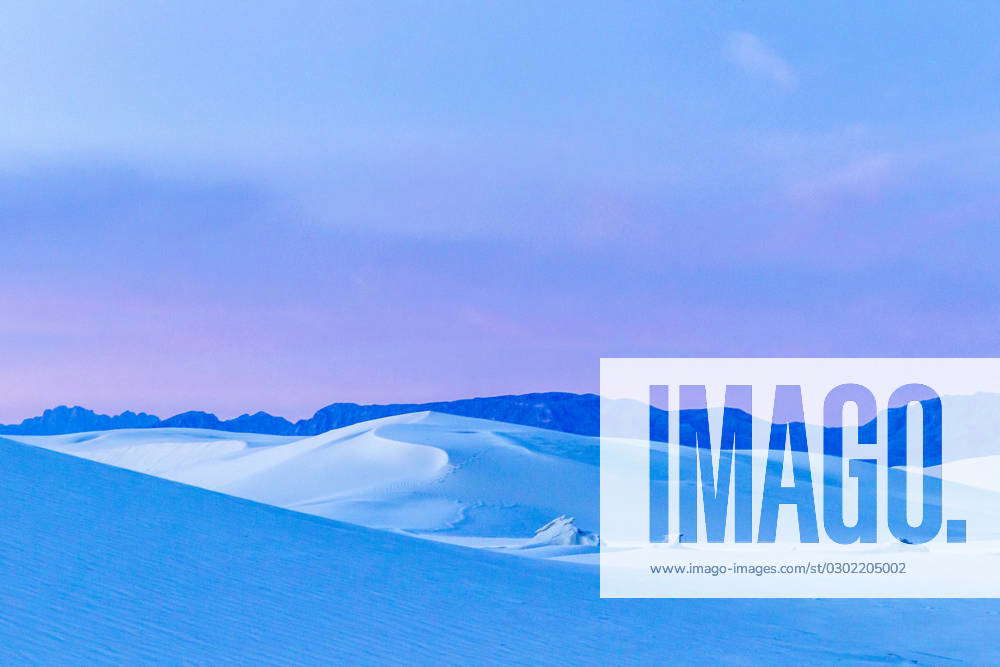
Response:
column 467, row 481
column 425, row 472
column 105, row 566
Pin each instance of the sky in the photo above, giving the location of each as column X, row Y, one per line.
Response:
column 236, row 206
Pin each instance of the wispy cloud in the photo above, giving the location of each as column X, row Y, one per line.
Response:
column 751, row 54
column 863, row 179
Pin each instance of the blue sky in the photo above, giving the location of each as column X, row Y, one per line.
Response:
column 233, row 206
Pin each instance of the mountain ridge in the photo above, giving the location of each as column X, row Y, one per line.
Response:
column 558, row 411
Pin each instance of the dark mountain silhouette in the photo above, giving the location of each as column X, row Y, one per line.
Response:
column 570, row 413
column 73, row 420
